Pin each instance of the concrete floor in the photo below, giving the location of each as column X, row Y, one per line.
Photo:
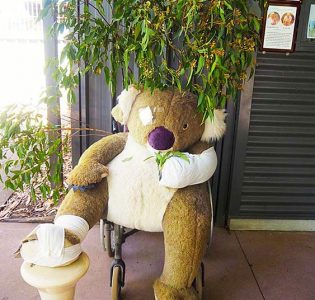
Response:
column 239, row 265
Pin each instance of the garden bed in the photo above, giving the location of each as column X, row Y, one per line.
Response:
column 21, row 208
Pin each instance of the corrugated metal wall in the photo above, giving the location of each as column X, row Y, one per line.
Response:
column 277, row 178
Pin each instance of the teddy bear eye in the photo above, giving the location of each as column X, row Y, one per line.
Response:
column 185, row 126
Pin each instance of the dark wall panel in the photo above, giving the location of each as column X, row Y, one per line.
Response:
column 278, row 176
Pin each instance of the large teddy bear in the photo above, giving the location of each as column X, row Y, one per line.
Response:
column 120, row 173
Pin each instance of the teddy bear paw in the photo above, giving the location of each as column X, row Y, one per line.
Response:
column 48, row 245
column 163, row 291
column 87, row 174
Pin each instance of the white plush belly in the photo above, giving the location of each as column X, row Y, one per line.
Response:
column 136, row 200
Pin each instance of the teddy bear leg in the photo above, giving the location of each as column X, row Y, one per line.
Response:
column 58, row 244
column 186, row 226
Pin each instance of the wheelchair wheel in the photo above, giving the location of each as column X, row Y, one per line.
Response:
column 106, row 237
column 116, row 283
column 198, row 282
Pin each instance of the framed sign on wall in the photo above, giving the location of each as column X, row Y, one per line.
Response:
column 311, row 23
column 306, row 32
column 280, row 23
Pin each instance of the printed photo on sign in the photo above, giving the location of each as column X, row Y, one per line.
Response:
column 287, row 19
column 311, row 23
column 273, row 18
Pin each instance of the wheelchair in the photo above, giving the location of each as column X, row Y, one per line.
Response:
column 113, row 236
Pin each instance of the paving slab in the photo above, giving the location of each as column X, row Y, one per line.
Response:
column 283, row 263
column 12, row 286
column 227, row 273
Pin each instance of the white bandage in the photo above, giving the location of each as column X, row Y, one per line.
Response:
column 75, row 224
column 145, row 115
column 178, row 173
column 51, row 240
column 48, row 250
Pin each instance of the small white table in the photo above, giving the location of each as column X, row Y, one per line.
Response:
column 56, row 283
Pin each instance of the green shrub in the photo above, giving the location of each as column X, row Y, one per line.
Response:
column 26, row 145
column 206, row 47
column 211, row 42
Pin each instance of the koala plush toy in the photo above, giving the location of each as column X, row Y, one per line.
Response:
column 119, row 172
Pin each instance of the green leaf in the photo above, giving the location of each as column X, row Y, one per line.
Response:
column 190, row 75
column 128, row 159
column 71, row 98
column 149, row 158
column 213, row 66
column 137, row 30
column 181, row 155
column 256, row 24
column 156, row 34
column 201, row 63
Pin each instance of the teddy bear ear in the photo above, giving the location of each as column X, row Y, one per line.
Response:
column 215, row 127
column 126, row 99
column 117, row 114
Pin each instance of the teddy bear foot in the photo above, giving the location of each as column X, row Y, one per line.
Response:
column 163, row 291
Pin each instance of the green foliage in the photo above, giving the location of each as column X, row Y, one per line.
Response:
column 26, row 145
column 202, row 46
column 162, row 157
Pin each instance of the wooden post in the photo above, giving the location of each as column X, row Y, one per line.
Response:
column 53, row 107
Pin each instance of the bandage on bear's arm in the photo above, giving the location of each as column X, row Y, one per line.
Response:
column 92, row 164
column 178, row 173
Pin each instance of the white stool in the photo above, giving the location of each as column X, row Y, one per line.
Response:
column 56, row 283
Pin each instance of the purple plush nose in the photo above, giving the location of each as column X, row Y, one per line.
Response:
column 161, row 139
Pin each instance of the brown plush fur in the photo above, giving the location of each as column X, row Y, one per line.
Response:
column 187, row 218
column 92, row 164
column 88, row 205
column 186, row 227
column 172, row 110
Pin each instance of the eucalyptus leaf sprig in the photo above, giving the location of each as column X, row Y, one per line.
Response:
column 162, row 157
column 205, row 47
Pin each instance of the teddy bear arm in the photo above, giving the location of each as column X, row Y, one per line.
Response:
column 198, row 147
column 92, row 164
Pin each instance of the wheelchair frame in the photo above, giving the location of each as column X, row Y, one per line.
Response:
column 113, row 236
